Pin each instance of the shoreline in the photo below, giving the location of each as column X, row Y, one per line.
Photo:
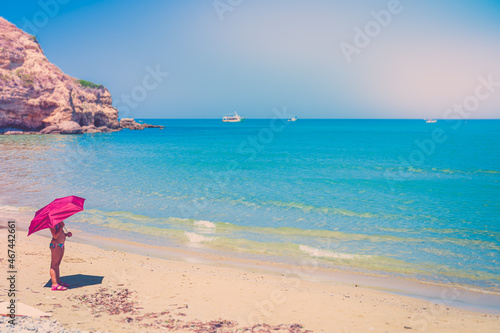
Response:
column 190, row 291
column 456, row 295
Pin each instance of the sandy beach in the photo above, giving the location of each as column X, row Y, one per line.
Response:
column 117, row 291
column 249, row 166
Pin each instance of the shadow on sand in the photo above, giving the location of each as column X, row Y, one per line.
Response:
column 78, row 280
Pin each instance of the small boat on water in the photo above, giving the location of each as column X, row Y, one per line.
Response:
column 236, row 118
column 293, row 119
column 429, row 121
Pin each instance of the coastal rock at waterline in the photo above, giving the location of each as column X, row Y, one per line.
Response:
column 90, row 129
column 19, row 133
column 53, row 129
column 35, row 94
column 104, row 129
column 153, row 126
column 130, row 123
column 70, row 127
column 100, row 129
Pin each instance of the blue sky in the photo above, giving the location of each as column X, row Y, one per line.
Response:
column 256, row 55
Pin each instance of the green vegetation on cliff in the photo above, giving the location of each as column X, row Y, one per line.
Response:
column 26, row 78
column 89, row 84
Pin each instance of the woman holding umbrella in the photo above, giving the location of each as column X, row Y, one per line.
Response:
column 57, row 253
column 51, row 217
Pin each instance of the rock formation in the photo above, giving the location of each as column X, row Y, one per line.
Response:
column 35, row 95
column 130, row 123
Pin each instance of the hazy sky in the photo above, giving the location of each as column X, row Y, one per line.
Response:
column 319, row 58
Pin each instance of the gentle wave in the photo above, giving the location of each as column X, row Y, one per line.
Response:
column 197, row 239
column 321, row 253
column 443, row 171
column 113, row 219
column 205, row 224
column 166, row 226
column 289, row 242
column 322, row 210
column 15, row 209
column 234, row 238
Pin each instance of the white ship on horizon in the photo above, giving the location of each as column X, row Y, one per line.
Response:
column 236, row 118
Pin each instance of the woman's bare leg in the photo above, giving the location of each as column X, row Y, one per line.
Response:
column 54, row 264
column 59, row 264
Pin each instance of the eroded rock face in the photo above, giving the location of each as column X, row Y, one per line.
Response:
column 35, row 94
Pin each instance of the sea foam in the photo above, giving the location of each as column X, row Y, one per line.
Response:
column 197, row 239
column 320, row 253
column 205, row 224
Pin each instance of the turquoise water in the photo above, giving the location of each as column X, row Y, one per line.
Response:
column 397, row 197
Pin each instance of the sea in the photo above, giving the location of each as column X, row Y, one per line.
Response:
column 394, row 198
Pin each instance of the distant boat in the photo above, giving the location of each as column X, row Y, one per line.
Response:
column 429, row 121
column 236, row 118
column 293, row 119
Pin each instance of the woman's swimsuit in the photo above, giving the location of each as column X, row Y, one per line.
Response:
column 53, row 246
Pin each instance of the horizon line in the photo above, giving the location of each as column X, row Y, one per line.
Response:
column 439, row 119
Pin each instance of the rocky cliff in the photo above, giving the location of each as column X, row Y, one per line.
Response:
column 35, row 94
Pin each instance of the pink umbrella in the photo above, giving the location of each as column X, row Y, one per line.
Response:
column 55, row 212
